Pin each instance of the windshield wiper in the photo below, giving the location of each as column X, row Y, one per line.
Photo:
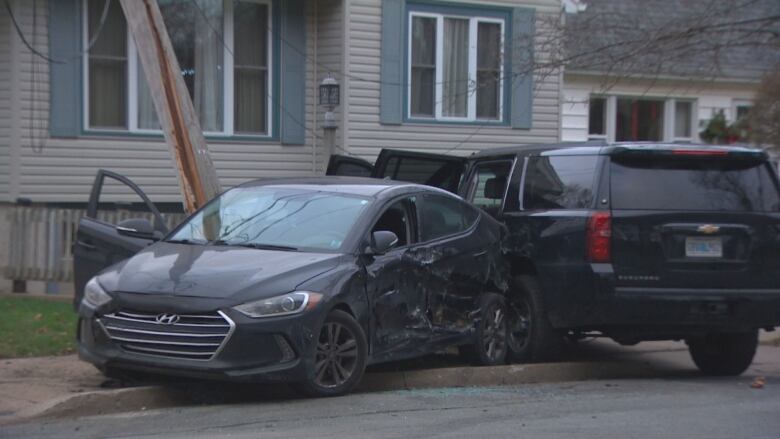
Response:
column 184, row 241
column 255, row 245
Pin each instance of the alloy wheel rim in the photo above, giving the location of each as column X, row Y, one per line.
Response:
column 494, row 333
column 519, row 324
column 336, row 356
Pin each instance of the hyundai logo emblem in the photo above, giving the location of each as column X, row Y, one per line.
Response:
column 167, row 319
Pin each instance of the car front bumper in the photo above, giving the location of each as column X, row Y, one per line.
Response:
column 268, row 349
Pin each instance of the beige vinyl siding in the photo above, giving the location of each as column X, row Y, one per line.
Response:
column 6, row 29
column 62, row 170
column 366, row 136
column 709, row 96
column 330, row 46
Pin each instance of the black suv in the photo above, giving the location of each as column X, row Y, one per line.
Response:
column 630, row 241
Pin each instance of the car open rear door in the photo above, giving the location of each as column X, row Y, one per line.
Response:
column 98, row 242
column 439, row 170
column 349, row 166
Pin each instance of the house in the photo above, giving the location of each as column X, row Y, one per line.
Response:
column 663, row 87
column 416, row 74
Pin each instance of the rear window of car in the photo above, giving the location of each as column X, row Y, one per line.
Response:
column 559, row 182
column 693, row 185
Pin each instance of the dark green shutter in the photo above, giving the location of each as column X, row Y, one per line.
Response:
column 65, row 79
column 293, row 77
column 522, row 67
column 392, row 62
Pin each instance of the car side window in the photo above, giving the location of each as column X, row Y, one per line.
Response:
column 487, row 185
column 559, row 182
column 395, row 219
column 441, row 216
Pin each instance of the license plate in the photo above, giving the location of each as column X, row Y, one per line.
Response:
column 697, row 247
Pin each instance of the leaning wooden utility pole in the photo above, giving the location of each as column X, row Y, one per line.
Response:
column 175, row 111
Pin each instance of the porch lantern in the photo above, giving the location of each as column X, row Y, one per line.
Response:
column 329, row 99
column 329, row 92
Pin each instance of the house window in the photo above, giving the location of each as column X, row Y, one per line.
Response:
column 224, row 52
column 455, row 67
column 639, row 119
column 597, row 118
column 619, row 118
column 683, row 120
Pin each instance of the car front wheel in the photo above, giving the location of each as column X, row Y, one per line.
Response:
column 724, row 354
column 338, row 359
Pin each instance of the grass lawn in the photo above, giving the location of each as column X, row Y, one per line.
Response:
column 33, row 327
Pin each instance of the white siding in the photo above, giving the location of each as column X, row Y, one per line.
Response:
column 62, row 170
column 5, row 108
column 366, row 136
column 710, row 98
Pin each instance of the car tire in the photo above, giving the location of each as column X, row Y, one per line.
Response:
column 337, row 360
column 724, row 354
column 489, row 347
column 531, row 337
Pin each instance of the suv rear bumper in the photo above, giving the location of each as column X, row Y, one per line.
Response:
column 685, row 310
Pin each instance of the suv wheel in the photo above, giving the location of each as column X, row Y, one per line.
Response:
column 531, row 337
column 338, row 359
column 724, row 354
column 490, row 338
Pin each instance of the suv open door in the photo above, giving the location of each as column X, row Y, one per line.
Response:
column 439, row 170
column 100, row 244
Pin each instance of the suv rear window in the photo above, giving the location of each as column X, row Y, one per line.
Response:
column 559, row 182
column 693, row 185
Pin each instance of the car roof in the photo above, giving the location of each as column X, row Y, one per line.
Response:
column 362, row 186
column 603, row 147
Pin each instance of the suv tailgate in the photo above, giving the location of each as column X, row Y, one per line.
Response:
column 693, row 222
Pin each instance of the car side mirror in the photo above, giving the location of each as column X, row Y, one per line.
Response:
column 137, row 228
column 382, row 241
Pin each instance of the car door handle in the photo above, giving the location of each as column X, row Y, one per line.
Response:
column 478, row 254
column 86, row 245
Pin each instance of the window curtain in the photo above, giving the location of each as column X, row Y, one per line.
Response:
column 456, row 82
column 107, row 67
column 250, row 70
column 423, row 66
column 208, row 51
column 147, row 116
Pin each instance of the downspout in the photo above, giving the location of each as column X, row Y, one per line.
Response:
column 315, row 94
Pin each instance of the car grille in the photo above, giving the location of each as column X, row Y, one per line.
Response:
column 192, row 336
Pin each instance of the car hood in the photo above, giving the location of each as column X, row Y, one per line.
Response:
column 214, row 271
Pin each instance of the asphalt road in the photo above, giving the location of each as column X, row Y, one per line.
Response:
column 676, row 403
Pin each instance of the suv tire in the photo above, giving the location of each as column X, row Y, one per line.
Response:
column 490, row 335
column 531, row 337
column 337, row 359
column 724, row 354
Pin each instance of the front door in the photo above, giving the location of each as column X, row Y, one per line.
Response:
column 98, row 243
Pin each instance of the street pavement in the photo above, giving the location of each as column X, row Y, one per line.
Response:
column 676, row 402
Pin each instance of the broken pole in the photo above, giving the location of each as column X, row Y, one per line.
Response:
column 175, row 111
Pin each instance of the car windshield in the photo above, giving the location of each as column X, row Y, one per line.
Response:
column 274, row 217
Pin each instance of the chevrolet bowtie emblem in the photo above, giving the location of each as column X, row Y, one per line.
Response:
column 708, row 229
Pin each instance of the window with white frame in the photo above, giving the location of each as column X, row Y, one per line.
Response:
column 627, row 118
column 455, row 67
column 224, row 51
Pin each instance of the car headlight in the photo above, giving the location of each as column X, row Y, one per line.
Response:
column 94, row 295
column 286, row 304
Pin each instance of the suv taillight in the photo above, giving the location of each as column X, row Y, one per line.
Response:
column 600, row 237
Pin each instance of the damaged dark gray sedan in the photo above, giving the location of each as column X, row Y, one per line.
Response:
column 305, row 281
